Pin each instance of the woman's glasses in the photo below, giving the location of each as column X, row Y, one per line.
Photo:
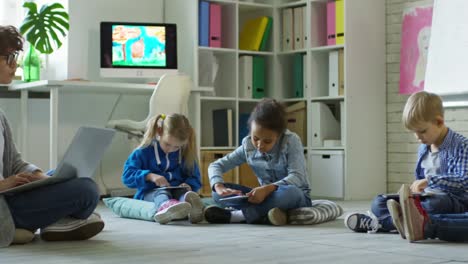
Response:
column 10, row 58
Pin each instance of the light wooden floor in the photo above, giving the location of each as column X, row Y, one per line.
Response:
column 134, row 241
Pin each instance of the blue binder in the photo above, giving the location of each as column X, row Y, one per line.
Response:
column 203, row 23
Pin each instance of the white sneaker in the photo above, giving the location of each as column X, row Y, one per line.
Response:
column 69, row 228
column 196, row 213
column 172, row 210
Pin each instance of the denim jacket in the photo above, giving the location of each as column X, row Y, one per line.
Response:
column 453, row 153
column 284, row 164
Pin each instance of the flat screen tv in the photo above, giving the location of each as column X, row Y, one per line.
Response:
column 138, row 50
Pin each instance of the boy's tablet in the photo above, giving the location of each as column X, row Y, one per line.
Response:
column 397, row 196
column 233, row 198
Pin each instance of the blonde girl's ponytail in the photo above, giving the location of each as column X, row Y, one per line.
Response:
column 190, row 151
column 152, row 129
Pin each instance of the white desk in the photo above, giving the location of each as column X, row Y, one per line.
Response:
column 54, row 87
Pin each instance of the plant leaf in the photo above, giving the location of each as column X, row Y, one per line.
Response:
column 45, row 29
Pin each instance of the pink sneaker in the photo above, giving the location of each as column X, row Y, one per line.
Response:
column 172, row 210
column 414, row 216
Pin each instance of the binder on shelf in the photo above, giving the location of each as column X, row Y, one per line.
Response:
column 305, row 33
column 339, row 13
column 258, row 77
column 243, row 126
column 288, row 43
column 305, row 92
column 203, row 23
column 331, row 23
column 342, row 123
column 222, row 127
column 266, row 35
column 298, row 33
column 245, row 76
column 341, row 72
column 252, row 33
column 324, row 124
column 215, row 25
column 333, row 73
column 298, row 76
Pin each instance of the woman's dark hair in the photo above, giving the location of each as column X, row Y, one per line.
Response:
column 269, row 114
column 10, row 40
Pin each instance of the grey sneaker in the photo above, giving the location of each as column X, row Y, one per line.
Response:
column 277, row 217
column 172, row 210
column 397, row 216
column 196, row 212
column 69, row 228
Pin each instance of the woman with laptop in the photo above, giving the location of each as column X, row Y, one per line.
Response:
column 62, row 211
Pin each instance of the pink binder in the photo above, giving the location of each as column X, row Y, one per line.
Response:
column 215, row 25
column 331, row 29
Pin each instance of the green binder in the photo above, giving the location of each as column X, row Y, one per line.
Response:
column 266, row 35
column 258, row 76
column 298, row 76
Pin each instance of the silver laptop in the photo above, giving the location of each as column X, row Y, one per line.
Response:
column 80, row 160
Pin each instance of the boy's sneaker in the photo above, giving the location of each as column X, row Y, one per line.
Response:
column 172, row 210
column 414, row 216
column 397, row 216
column 277, row 217
column 217, row 215
column 362, row 223
column 196, row 212
column 69, row 228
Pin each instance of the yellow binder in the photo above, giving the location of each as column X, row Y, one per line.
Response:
column 252, row 33
column 340, row 30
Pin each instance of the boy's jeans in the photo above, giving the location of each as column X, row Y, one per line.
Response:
column 446, row 203
column 286, row 197
column 43, row 206
column 448, row 227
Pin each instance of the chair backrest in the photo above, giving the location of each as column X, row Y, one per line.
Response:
column 170, row 95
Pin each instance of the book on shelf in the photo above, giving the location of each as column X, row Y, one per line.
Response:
column 340, row 28
column 331, row 23
column 298, row 75
column 252, row 33
column 288, row 29
column 243, row 126
column 245, row 76
column 333, row 73
column 258, row 78
column 266, row 35
column 203, row 23
column 222, row 127
column 298, row 17
column 215, row 25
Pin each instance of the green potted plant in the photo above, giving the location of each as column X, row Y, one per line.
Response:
column 42, row 30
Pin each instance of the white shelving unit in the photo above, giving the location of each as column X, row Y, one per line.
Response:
column 362, row 118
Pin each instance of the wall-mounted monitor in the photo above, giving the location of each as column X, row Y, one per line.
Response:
column 138, row 50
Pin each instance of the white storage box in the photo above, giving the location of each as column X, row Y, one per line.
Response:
column 326, row 173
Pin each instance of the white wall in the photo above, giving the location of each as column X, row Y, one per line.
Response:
column 402, row 145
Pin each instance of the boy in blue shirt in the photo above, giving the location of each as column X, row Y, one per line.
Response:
column 441, row 168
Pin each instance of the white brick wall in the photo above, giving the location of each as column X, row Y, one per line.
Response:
column 402, row 145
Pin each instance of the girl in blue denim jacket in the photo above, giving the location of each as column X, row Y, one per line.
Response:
column 166, row 158
column 276, row 156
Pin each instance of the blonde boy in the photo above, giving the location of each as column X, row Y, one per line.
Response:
column 441, row 168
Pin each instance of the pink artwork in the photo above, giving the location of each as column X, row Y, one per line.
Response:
column 415, row 35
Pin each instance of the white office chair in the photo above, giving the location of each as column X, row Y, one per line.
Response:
column 170, row 96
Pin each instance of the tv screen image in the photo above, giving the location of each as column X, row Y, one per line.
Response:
column 138, row 45
column 138, row 50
